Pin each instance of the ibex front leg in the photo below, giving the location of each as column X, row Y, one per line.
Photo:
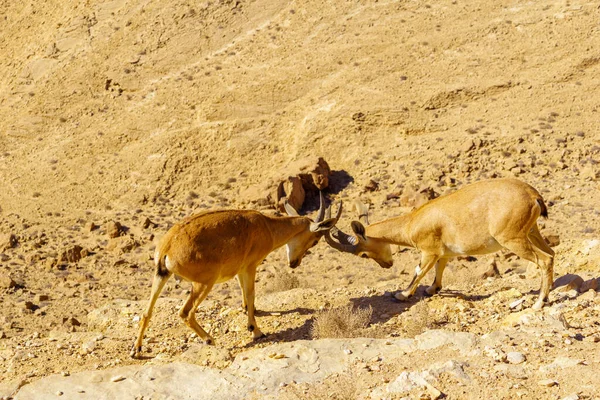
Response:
column 246, row 279
column 427, row 262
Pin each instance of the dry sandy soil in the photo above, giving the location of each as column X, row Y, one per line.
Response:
column 131, row 110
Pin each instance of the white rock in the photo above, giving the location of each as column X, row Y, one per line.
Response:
column 514, row 357
column 547, row 382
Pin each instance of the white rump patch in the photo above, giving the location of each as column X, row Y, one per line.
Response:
column 418, row 269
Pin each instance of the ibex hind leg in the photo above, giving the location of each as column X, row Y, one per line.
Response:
column 158, row 283
column 436, row 286
column 545, row 260
column 528, row 250
column 188, row 311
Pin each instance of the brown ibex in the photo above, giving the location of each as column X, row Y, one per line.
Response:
column 214, row 246
column 480, row 218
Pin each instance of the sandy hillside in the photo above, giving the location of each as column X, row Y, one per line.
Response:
column 133, row 110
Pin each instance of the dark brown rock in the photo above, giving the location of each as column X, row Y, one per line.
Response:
column 72, row 254
column 291, row 190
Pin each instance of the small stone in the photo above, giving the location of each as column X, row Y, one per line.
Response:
column 515, row 304
column 117, row 378
column 71, row 321
column 491, row 271
column 496, row 354
column 568, row 282
column 348, row 351
column 514, row 357
column 114, row 229
column 88, row 347
column 29, row 305
column 147, row 223
column 59, row 393
column 71, row 254
column 372, row 186
column 6, row 282
column 90, row 226
column 42, row 297
column 547, row 382
column 590, row 284
column 572, row 396
column 8, row 241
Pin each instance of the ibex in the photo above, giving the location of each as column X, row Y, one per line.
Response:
column 214, row 246
column 480, row 218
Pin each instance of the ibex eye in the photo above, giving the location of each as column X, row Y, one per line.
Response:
column 363, row 255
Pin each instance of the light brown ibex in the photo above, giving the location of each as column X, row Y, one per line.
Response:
column 214, row 246
column 480, row 218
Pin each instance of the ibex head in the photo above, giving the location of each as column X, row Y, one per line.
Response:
column 360, row 244
column 301, row 243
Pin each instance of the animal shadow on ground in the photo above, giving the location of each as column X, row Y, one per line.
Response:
column 287, row 335
column 386, row 307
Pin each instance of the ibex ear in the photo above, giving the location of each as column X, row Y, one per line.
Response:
column 359, row 230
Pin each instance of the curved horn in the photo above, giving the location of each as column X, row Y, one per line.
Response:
column 291, row 211
column 363, row 211
column 345, row 243
column 321, row 207
column 337, row 216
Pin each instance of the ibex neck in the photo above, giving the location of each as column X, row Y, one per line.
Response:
column 393, row 230
column 283, row 229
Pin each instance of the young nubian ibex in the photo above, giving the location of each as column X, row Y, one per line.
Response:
column 480, row 218
column 214, row 246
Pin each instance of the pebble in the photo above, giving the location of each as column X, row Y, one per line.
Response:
column 88, row 347
column 6, row 282
column 59, row 393
column 117, row 378
column 516, row 303
column 547, row 382
column 114, row 229
column 572, row 396
column 348, row 351
column 514, row 357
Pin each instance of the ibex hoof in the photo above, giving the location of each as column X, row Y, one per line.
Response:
column 135, row 351
column 209, row 341
column 538, row 305
column 431, row 291
column 400, row 296
column 260, row 335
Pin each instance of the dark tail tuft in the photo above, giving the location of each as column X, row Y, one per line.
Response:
column 161, row 268
column 544, row 209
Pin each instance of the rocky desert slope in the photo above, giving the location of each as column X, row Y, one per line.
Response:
column 119, row 118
